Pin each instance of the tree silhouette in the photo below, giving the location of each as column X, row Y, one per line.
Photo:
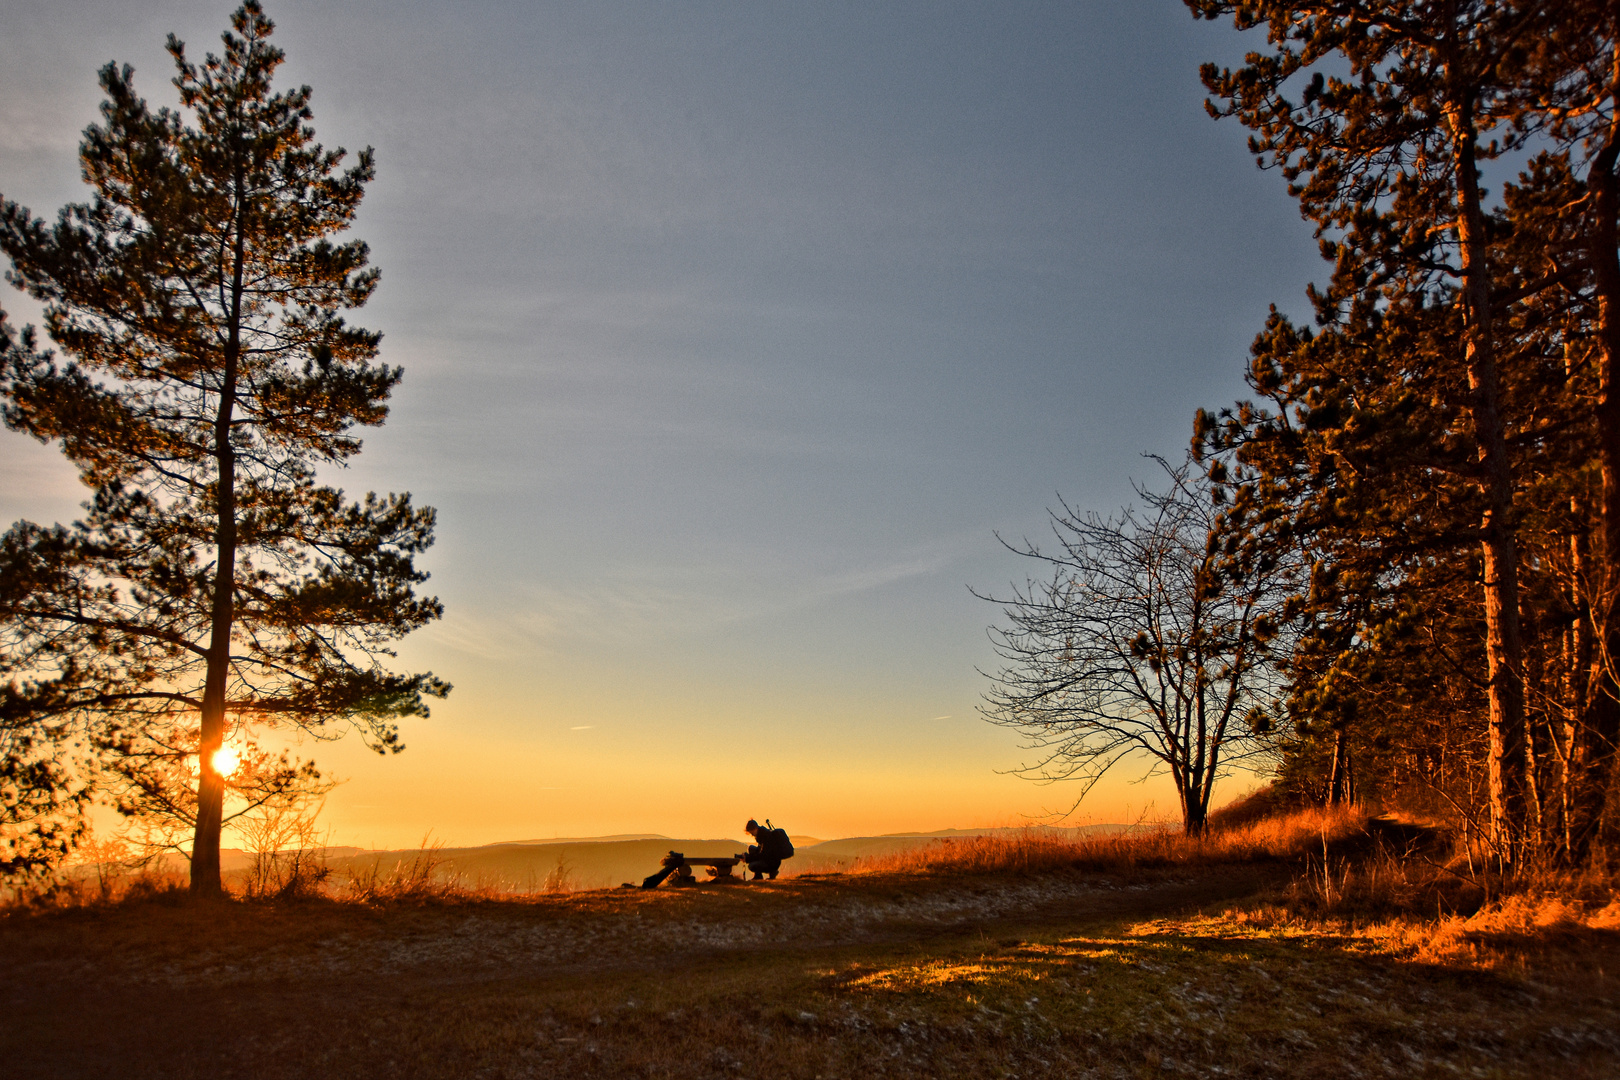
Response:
column 213, row 584
column 1152, row 638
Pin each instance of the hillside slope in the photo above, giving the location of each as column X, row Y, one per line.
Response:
column 1046, row 975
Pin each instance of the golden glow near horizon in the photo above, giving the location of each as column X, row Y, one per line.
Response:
column 471, row 776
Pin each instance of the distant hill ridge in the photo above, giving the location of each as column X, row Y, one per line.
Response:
column 805, row 842
column 598, row 861
column 1003, row 830
column 614, row 838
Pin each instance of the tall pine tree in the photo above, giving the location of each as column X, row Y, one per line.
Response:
column 1381, row 114
column 1461, row 394
column 213, row 583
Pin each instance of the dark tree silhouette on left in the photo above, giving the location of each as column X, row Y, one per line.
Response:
column 213, row 584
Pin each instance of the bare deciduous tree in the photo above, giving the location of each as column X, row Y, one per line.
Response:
column 1151, row 642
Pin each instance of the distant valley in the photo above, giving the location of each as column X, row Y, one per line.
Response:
column 605, row 861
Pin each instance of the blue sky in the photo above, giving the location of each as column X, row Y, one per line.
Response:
column 733, row 334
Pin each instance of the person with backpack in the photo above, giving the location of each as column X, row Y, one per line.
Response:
column 770, row 848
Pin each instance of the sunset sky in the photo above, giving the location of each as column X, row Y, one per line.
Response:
column 733, row 335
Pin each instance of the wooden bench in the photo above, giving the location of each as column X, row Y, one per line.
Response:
column 677, row 868
column 718, row 867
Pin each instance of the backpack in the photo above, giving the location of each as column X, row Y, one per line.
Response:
column 775, row 843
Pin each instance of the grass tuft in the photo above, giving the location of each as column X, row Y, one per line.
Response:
column 1291, row 835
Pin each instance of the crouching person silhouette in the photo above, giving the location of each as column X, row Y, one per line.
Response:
column 771, row 845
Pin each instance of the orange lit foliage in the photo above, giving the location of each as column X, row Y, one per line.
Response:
column 1288, row 836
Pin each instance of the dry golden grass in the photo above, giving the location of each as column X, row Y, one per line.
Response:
column 281, row 877
column 1521, row 932
column 1541, row 925
column 97, row 886
column 1288, row 836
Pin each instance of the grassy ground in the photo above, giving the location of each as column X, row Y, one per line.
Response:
column 1233, row 963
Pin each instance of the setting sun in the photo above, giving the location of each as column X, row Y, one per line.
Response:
column 226, row 759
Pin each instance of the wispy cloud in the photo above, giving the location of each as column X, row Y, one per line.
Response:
column 473, row 634
column 864, row 579
column 634, row 607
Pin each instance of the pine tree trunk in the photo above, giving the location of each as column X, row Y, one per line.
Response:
column 1597, row 737
column 1579, row 675
column 1535, row 782
column 1339, row 778
column 1576, row 665
column 205, row 868
column 1504, row 649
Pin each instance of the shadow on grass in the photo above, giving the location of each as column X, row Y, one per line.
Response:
column 1217, row 995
